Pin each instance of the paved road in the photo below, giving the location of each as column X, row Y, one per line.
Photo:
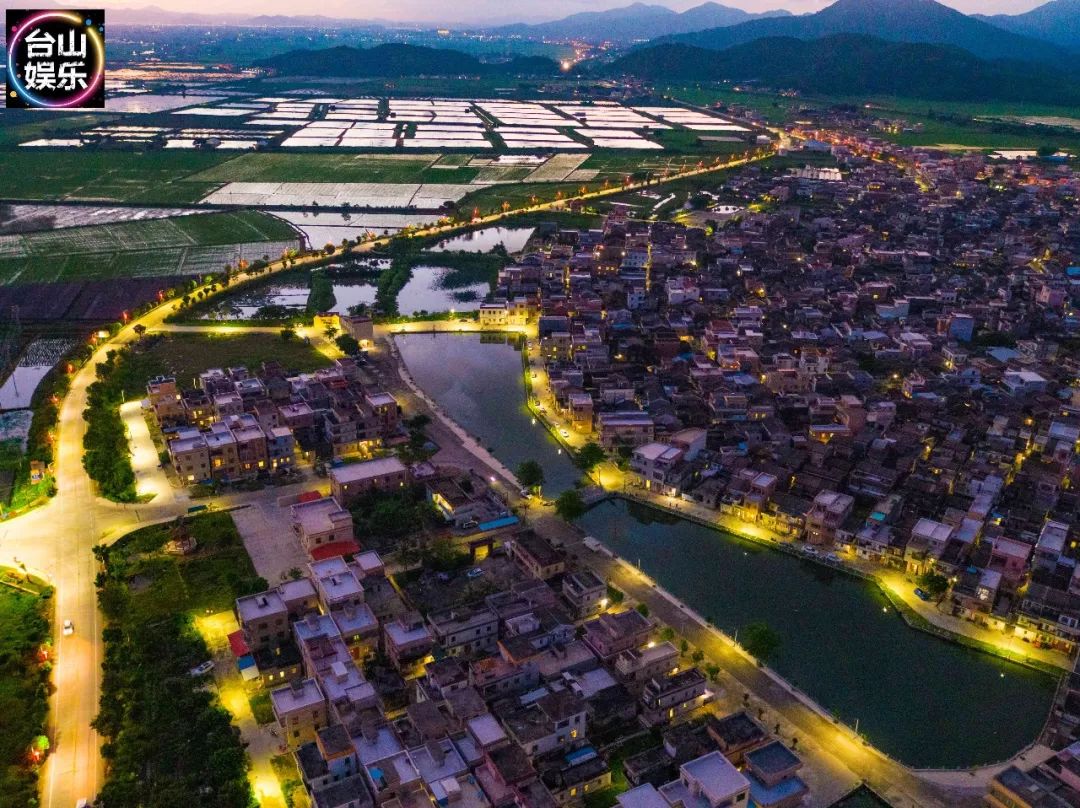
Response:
column 56, row 540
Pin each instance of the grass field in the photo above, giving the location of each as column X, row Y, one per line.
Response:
column 962, row 131
column 23, row 627
column 187, row 355
column 167, row 584
column 776, row 108
column 180, row 245
column 106, row 175
column 490, row 199
column 983, row 135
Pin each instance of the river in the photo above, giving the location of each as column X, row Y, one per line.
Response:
column 478, row 380
column 926, row 701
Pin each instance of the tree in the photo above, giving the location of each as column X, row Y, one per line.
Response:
column 643, row 609
column 330, row 332
column 530, row 474
column 418, row 421
column 347, row 344
column 139, row 330
column 287, row 334
column 590, row 455
column 760, row 640
column 570, row 505
column 614, row 594
column 667, row 634
column 933, row 583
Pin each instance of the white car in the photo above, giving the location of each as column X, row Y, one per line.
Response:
column 203, row 669
column 564, row 432
column 69, row 628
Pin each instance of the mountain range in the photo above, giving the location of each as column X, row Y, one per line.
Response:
column 1057, row 21
column 894, row 20
column 1048, row 33
column 837, row 65
column 395, row 60
column 635, row 22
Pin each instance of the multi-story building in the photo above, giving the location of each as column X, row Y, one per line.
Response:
column 300, row 710
column 827, row 515
column 348, row 483
column 465, row 630
column 324, row 528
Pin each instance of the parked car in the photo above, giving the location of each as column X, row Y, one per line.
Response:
column 921, row 594
column 810, row 551
column 202, row 669
column 475, row 572
column 69, row 628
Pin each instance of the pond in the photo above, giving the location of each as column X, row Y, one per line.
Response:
column 477, row 379
column 926, row 701
column 292, row 295
column 321, row 227
column 485, row 240
column 18, row 389
column 41, row 356
column 425, row 292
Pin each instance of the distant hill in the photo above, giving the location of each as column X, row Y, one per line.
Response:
column 152, row 15
column 850, row 64
column 1057, row 21
column 635, row 22
column 894, row 20
column 393, row 60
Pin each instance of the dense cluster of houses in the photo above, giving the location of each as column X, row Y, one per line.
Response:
column 879, row 359
column 492, row 686
column 235, row 424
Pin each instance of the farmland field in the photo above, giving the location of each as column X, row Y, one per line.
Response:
column 106, row 175
column 151, row 247
column 341, row 167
